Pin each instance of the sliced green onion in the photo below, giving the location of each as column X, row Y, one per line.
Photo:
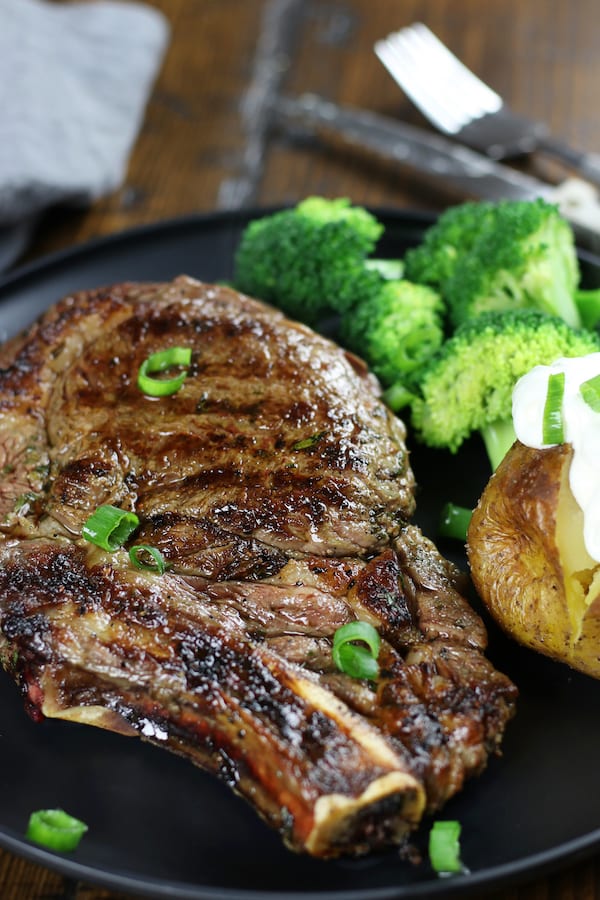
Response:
column 444, row 847
column 159, row 362
column 353, row 659
column 552, row 426
column 590, row 391
column 109, row 527
column 308, row 442
column 454, row 521
column 158, row 564
column 55, row 829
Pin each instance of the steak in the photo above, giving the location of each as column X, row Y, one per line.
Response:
column 278, row 488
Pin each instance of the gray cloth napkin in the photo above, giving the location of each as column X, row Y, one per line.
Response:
column 74, row 82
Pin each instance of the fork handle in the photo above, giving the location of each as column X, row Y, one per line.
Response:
column 587, row 164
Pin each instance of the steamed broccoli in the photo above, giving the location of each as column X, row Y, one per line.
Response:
column 510, row 255
column 467, row 386
column 395, row 330
column 433, row 260
column 310, row 260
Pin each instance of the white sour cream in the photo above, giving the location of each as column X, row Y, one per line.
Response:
column 581, row 429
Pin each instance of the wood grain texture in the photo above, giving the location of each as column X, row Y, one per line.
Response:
column 208, row 141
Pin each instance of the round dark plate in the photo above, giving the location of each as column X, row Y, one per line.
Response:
column 159, row 827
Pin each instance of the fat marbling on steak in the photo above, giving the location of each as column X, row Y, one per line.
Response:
column 277, row 486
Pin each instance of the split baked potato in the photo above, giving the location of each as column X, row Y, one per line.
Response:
column 528, row 559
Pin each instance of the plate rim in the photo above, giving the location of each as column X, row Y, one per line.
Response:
column 21, row 272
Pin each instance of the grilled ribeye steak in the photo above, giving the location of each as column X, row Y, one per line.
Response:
column 278, row 488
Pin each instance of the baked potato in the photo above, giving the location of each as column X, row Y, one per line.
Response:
column 528, row 560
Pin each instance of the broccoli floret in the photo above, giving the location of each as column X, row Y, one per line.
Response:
column 396, row 330
column 433, row 261
column 468, row 384
column 310, row 260
column 524, row 258
column 516, row 254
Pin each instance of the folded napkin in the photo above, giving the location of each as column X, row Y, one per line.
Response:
column 74, row 82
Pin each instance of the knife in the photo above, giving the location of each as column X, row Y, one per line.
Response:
column 443, row 161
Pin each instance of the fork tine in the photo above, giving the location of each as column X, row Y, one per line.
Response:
column 415, row 73
column 462, row 78
column 437, row 82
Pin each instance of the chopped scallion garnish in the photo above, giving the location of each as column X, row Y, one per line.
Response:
column 307, row 443
column 355, row 659
column 590, row 391
column 157, row 564
column 160, row 362
column 444, row 847
column 109, row 527
column 454, row 521
column 552, row 426
column 55, row 829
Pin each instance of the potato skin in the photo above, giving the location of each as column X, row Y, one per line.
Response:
column 528, row 561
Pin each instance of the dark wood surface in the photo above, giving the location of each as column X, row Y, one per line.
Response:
column 207, row 143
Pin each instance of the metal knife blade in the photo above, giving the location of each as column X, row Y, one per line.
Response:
column 443, row 161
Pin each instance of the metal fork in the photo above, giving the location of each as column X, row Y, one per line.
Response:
column 458, row 103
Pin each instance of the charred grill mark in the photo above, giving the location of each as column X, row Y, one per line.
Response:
column 216, row 334
column 22, row 375
column 198, row 544
column 165, row 521
column 50, row 576
column 135, row 608
column 245, row 502
column 29, row 633
column 12, row 379
column 252, row 512
column 438, row 712
column 379, row 589
column 81, row 477
column 300, row 413
column 340, row 454
column 211, row 665
column 151, row 324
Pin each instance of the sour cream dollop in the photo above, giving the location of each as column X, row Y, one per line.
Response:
column 581, row 429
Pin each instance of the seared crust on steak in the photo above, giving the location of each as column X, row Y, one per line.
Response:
column 278, row 488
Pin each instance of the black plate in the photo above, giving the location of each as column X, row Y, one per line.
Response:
column 161, row 828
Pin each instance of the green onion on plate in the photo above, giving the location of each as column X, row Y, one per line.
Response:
column 354, row 659
column 454, row 521
column 55, row 829
column 157, row 564
column 160, row 362
column 444, row 847
column 552, row 425
column 109, row 527
column 590, row 391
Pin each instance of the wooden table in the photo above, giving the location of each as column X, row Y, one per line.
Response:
column 207, row 144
